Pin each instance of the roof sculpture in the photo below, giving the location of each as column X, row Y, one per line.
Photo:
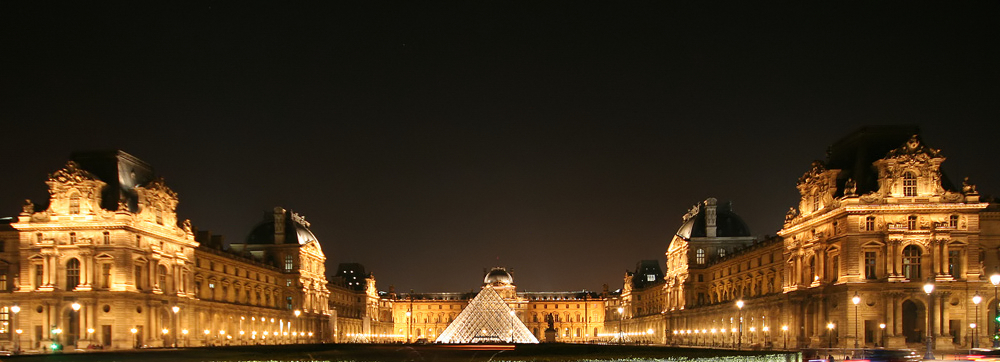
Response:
column 487, row 319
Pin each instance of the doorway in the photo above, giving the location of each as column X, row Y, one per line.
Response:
column 914, row 321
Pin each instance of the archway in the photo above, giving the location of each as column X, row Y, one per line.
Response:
column 71, row 329
column 914, row 321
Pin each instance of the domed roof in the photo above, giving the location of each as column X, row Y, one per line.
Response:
column 498, row 276
column 727, row 222
column 296, row 229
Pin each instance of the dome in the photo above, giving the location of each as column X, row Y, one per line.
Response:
column 498, row 276
column 296, row 229
column 727, row 222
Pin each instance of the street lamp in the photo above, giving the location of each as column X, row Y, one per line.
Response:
column 829, row 327
column 135, row 336
column 784, row 337
column 513, row 315
column 739, row 315
column 753, row 331
column 975, row 335
column 185, row 333
column 881, row 326
column 856, row 299
column 621, row 315
column 929, row 288
column 409, row 325
column 995, row 280
column 299, row 323
column 766, row 330
column 175, row 309
column 17, row 344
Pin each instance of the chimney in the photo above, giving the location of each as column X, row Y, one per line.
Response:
column 279, row 225
column 710, row 211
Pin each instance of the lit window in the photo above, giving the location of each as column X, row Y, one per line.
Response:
column 289, row 263
column 72, row 274
column 909, row 184
column 700, row 256
column 911, row 262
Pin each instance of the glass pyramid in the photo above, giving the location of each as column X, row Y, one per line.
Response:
column 487, row 319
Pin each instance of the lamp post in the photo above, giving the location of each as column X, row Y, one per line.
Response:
column 17, row 344
column 753, row 331
column 765, row 329
column 739, row 316
column 856, row 300
column 135, row 337
column 881, row 326
column 829, row 328
column 299, row 324
column 972, row 326
column 621, row 333
column 74, row 328
column 409, row 325
column 929, row 288
column 175, row 309
column 784, row 337
column 185, row 333
column 975, row 335
column 513, row 315
column 995, row 280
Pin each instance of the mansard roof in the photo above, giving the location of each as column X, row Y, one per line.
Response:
column 856, row 153
column 296, row 229
column 728, row 223
column 121, row 171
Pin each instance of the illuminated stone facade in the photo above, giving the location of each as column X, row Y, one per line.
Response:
column 576, row 316
column 106, row 260
column 876, row 220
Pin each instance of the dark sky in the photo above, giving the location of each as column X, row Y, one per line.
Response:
column 429, row 141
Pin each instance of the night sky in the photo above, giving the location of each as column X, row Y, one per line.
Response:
column 429, row 141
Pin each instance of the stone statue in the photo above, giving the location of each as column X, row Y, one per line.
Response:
column 968, row 188
column 792, row 213
column 28, row 206
column 550, row 322
column 850, row 187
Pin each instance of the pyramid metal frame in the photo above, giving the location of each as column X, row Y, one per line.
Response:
column 487, row 319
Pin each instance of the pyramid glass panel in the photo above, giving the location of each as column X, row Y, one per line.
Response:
column 487, row 319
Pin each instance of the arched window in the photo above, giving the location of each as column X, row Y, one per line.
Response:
column 911, row 222
column 161, row 271
column 72, row 274
column 909, row 184
column 870, row 223
column 911, row 262
column 700, row 256
column 74, row 204
column 953, row 221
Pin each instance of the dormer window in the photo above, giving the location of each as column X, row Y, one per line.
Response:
column 909, row 184
column 74, row 204
column 159, row 217
column 722, row 252
column 816, row 204
column 700, row 256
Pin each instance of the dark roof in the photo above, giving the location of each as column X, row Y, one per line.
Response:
column 121, row 171
column 353, row 273
column 263, row 232
column 727, row 222
column 856, row 153
column 645, row 268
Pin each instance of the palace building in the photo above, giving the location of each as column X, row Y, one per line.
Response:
column 877, row 221
column 880, row 247
column 105, row 261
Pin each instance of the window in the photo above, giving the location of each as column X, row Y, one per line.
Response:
column 39, row 275
column 107, row 238
column 288, row 302
column 835, row 268
column 650, row 278
column 106, row 275
column 289, row 263
column 909, row 184
column 38, row 238
column 700, row 256
column 911, row 222
column 870, row 223
column 288, row 282
column 72, row 274
column 954, row 264
column 159, row 216
column 138, row 239
column 911, row 262
column 74, row 204
column 722, row 252
column 72, row 238
column 3, row 279
column 138, row 277
column 816, row 204
column 162, row 272
column 5, row 323
column 953, row 221
column 870, row 265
